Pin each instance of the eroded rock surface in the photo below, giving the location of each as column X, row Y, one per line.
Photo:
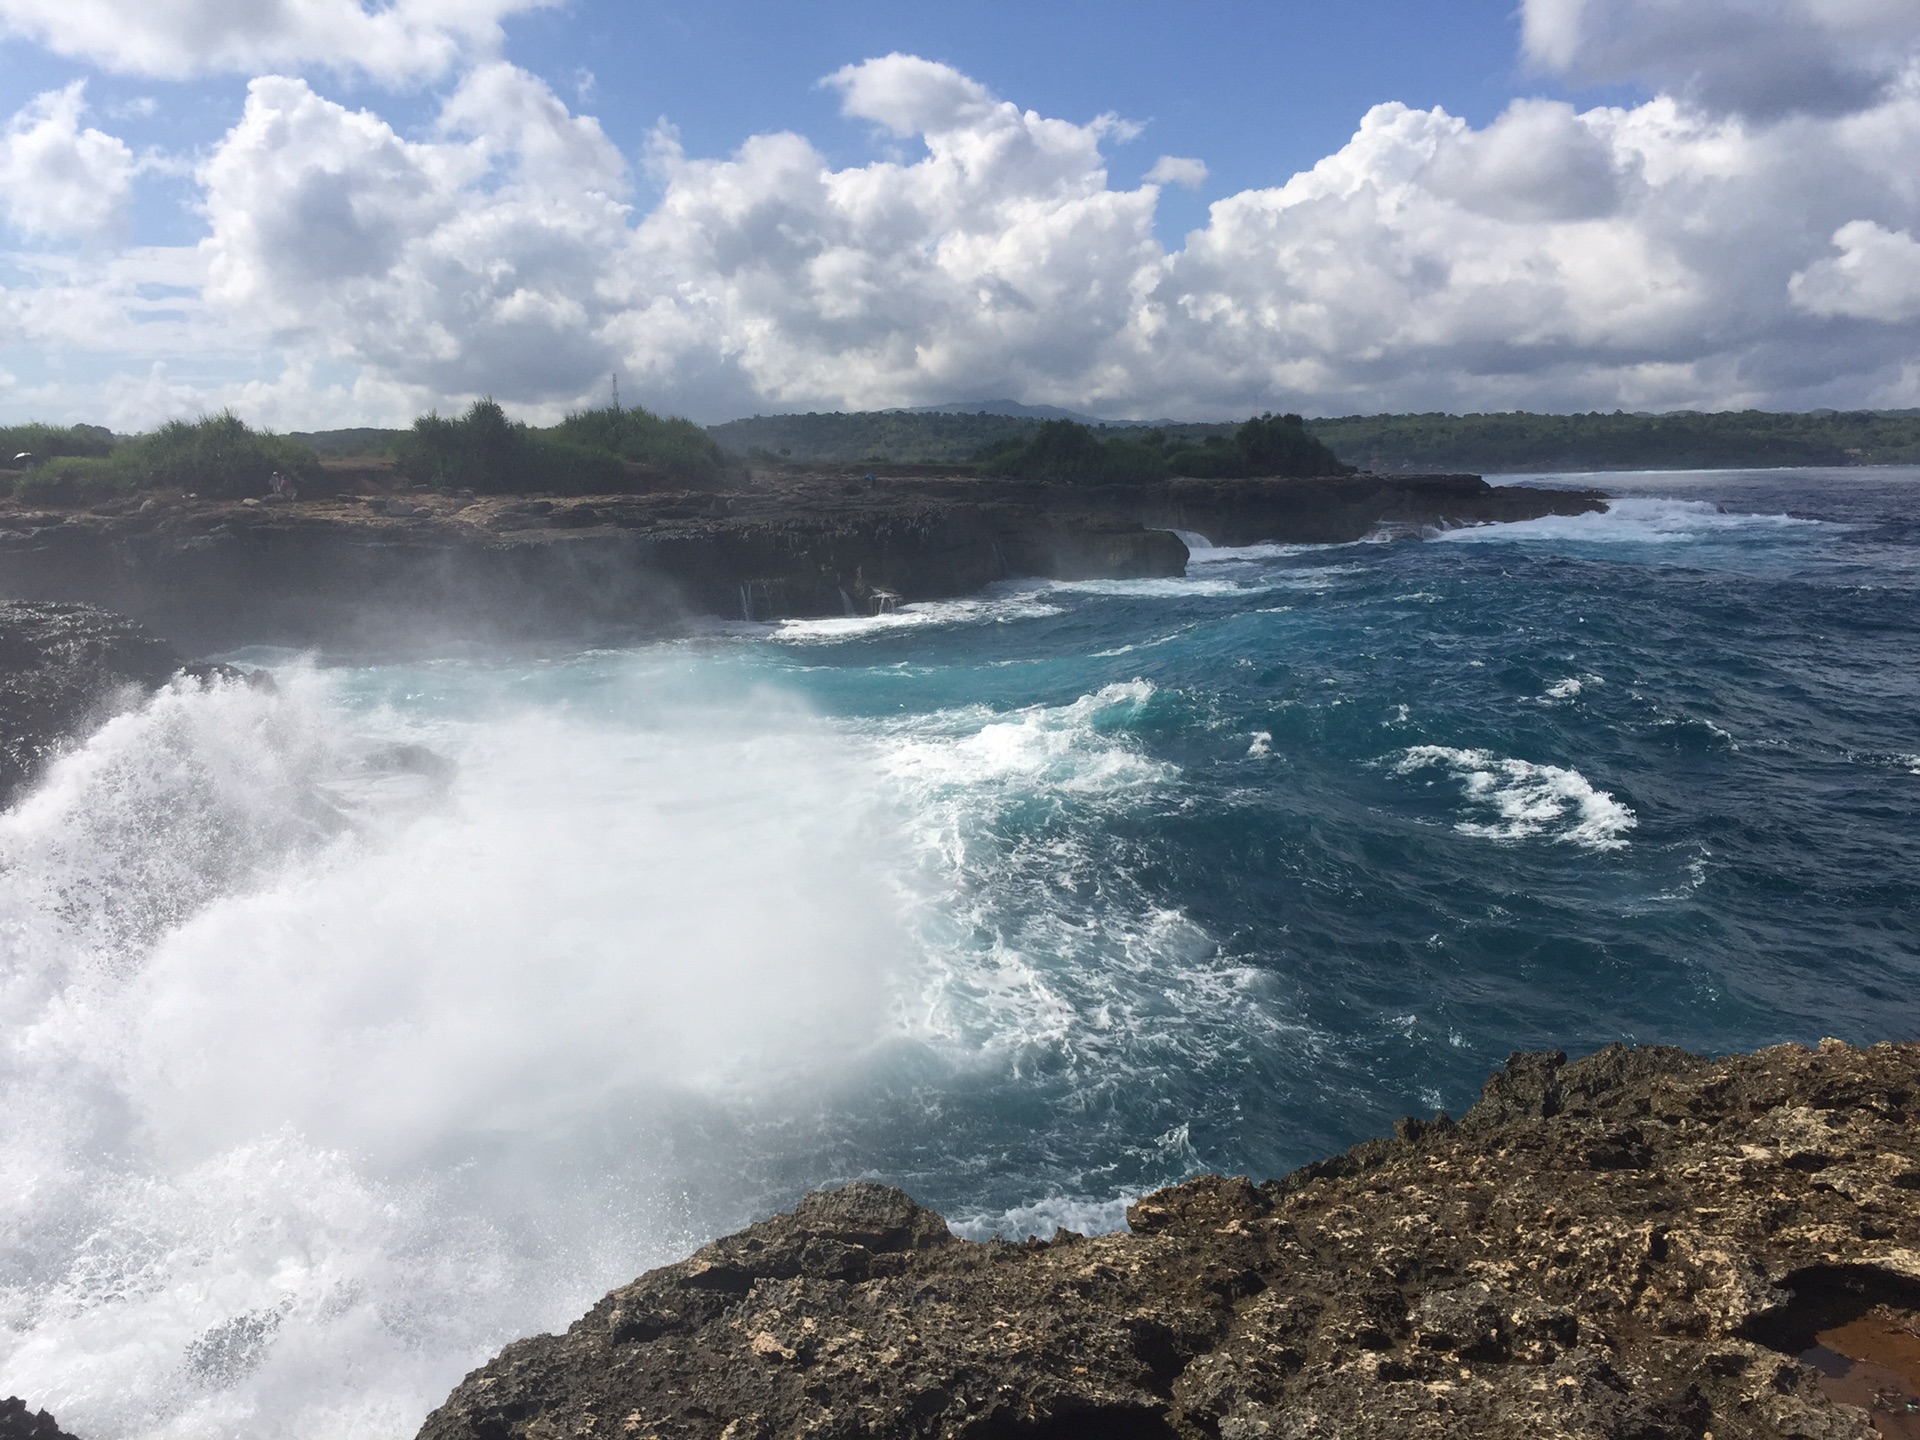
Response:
column 1637, row 1246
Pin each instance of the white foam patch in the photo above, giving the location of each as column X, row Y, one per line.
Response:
column 1246, row 554
column 1082, row 1215
column 1167, row 588
column 1037, row 945
column 1524, row 799
column 1637, row 521
column 1073, row 747
column 932, row 614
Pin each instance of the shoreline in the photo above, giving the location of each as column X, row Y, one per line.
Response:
column 352, row 569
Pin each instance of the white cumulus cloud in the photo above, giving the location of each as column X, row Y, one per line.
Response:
column 1178, row 170
column 400, row 41
column 1663, row 254
column 1876, row 276
column 480, row 261
column 1762, row 58
column 57, row 179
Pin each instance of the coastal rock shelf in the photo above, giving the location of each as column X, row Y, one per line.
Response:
column 341, row 570
column 1642, row 1244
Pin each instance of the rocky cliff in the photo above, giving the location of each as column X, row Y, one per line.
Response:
column 1644, row 1245
column 342, row 569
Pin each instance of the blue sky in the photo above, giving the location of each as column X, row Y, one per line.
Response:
column 1257, row 90
column 344, row 214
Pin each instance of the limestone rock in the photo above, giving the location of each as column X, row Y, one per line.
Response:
column 1637, row 1246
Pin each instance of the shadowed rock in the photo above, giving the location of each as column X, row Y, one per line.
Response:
column 17, row 1422
column 63, row 667
column 370, row 569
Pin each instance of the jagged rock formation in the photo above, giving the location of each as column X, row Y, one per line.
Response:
column 63, row 666
column 1639, row 1246
column 342, row 569
column 17, row 1422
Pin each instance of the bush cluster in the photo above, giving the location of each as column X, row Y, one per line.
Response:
column 593, row 452
column 1064, row 452
column 677, row 449
column 218, row 455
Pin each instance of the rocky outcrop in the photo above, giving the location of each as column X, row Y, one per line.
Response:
column 1644, row 1245
column 64, row 666
column 18, row 1422
column 369, row 568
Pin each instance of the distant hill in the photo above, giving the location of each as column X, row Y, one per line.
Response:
column 1011, row 408
column 1484, row 444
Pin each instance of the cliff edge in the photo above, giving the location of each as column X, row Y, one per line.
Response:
column 1643, row 1245
column 360, row 569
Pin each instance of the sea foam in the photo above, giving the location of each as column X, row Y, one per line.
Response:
column 1522, row 799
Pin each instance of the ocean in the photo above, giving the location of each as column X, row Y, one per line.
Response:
column 356, row 1027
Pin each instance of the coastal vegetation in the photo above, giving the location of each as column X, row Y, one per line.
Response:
column 1065, row 452
column 870, row 435
column 1681, row 440
column 219, row 456
column 613, row 448
column 1483, row 443
column 486, row 452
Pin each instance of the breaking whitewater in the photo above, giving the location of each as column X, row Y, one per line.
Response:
column 358, row 1027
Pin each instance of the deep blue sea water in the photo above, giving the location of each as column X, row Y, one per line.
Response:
column 1028, row 903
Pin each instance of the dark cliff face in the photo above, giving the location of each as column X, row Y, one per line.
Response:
column 357, row 570
column 63, row 667
column 1640, row 1246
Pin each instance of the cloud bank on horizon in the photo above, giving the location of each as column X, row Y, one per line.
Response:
column 1748, row 235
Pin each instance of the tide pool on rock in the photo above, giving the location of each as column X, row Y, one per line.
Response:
column 363, row 1024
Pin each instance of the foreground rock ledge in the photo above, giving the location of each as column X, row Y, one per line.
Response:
column 1639, row 1246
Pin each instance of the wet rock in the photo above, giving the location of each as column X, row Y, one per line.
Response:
column 18, row 1422
column 1642, row 1245
column 63, row 667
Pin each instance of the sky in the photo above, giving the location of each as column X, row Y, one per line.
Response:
column 323, row 213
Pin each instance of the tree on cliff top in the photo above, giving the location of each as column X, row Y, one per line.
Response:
column 485, row 451
column 593, row 452
column 1069, row 453
column 677, row 449
column 1280, row 445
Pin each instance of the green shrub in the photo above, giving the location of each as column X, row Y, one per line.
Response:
column 47, row 442
column 1065, row 452
column 70, row 480
column 219, row 456
column 485, row 451
column 678, row 449
column 1280, row 445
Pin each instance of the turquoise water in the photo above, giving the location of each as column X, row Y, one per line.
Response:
column 376, row 1021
